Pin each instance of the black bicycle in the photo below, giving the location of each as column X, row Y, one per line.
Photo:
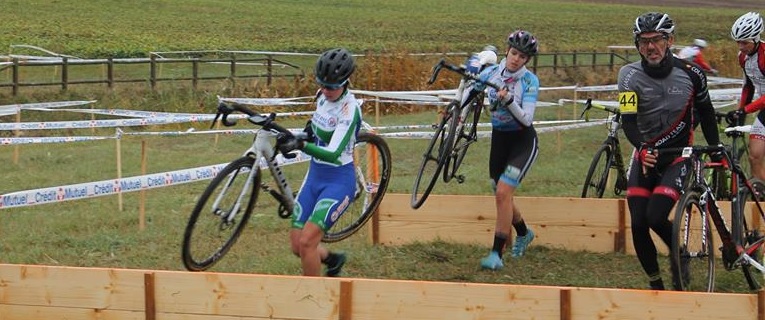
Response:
column 227, row 203
column 455, row 132
column 693, row 252
column 607, row 163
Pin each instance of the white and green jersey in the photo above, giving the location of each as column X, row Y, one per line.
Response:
column 335, row 124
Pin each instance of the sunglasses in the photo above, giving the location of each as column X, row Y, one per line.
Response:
column 332, row 86
column 655, row 40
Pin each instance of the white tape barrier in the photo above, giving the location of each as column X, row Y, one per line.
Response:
column 487, row 134
column 124, row 185
column 161, row 119
column 14, row 108
column 612, row 103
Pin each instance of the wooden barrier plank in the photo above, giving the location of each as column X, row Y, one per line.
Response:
column 91, row 288
column 393, row 299
column 547, row 211
column 24, row 312
column 267, row 296
column 604, row 304
column 481, row 233
column 198, row 296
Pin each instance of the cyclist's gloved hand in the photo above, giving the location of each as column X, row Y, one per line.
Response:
column 288, row 142
column 716, row 157
column 736, row 116
column 309, row 131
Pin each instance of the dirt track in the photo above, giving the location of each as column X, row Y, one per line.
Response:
column 756, row 5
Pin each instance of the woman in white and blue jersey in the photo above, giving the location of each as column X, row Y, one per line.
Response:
column 330, row 183
column 514, row 144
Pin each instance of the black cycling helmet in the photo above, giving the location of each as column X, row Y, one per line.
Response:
column 653, row 22
column 523, row 41
column 334, row 67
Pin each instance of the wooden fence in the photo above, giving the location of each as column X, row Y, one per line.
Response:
column 66, row 72
column 48, row 292
column 54, row 292
column 597, row 225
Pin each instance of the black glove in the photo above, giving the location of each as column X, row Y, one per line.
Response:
column 309, row 131
column 716, row 157
column 288, row 142
column 736, row 117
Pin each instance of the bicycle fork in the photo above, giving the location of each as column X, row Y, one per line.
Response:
column 230, row 215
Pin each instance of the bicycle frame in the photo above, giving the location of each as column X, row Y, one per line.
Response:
column 262, row 148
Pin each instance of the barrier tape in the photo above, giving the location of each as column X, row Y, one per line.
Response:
column 486, row 134
column 124, row 185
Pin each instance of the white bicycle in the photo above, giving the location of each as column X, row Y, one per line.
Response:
column 227, row 203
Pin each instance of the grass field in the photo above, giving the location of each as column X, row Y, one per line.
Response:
column 98, row 28
column 96, row 233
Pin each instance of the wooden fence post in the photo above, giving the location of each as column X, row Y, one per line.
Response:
column 269, row 68
column 232, row 75
column 110, row 73
column 64, row 73
column 153, row 72
column 594, row 59
column 195, row 73
column 611, row 60
column 555, row 63
column 15, row 76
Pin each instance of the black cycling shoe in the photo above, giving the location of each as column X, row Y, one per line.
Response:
column 335, row 269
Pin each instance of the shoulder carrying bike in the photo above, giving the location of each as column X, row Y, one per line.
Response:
column 608, row 160
column 223, row 209
column 693, row 252
column 455, row 132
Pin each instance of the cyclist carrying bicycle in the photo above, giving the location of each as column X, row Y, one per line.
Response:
column 514, row 143
column 658, row 97
column 330, row 183
column 746, row 32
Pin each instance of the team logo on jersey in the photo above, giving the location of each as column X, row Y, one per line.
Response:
column 628, row 102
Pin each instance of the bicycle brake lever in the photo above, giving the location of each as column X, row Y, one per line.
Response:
column 587, row 106
column 436, row 71
column 217, row 115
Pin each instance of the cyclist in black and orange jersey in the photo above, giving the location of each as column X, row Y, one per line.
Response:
column 746, row 31
column 657, row 98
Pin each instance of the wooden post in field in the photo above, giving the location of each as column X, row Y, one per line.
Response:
column 119, row 169
column 142, row 204
column 373, row 177
column 377, row 112
column 17, row 133
column 574, row 114
column 558, row 141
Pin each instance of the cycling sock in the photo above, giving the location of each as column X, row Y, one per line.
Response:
column 331, row 259
column 520, row 228
column 500, row 239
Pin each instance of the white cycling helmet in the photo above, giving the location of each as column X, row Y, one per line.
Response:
column 747, row 27
column 700, row 43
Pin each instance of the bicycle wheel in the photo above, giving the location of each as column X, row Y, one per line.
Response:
column 597, row 175
column 692, row 251
column 454, row 128
column 373, row 169
column 220, row 215
column 745, row 233
column 431, row 165
column 464, row 138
